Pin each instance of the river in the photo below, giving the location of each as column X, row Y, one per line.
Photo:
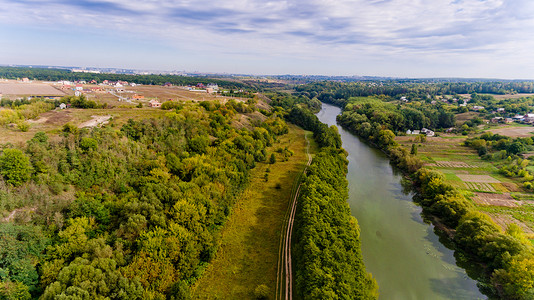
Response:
column 402, row 252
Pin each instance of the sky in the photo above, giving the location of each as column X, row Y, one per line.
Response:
column 398, row 38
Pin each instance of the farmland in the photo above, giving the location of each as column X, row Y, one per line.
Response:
column 504, row 199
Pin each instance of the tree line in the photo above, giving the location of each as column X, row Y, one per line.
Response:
column 153, row 79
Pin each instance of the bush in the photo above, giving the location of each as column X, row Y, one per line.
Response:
column 15, row 166
column 261, row 292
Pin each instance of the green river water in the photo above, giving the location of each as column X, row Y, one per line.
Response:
column 402, row 252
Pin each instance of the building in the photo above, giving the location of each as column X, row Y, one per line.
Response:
column 154, row 103
column 478, row 108
column 528, row 118
column 62, row 106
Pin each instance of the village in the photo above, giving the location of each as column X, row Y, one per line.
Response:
column 111, row 92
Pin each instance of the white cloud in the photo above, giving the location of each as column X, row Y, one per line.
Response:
column 398, row 32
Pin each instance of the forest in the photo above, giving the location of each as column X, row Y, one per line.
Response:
column 127, row 213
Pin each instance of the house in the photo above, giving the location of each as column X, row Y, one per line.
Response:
column 408, row 131
column 25, row 79
column 118, row 85
column 79, row 87
column 138, row 97
column 213, row 86
column 508, row 120
column 404, row 99
column 62, row 106
column 529, row 118
column 92, row 81
column 497, row 120
column 154, row 103
column 500, row 109
column 210, row 91
column 478, row 108
column 462, row 104
column 428, row 132
column 77, row 93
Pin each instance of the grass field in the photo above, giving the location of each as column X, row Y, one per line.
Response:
column 250, row 238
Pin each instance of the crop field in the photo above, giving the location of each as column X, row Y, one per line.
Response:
column 13, row 88
column 514, row 131
column 477, row 186
column 496, row 200
column 454, row 164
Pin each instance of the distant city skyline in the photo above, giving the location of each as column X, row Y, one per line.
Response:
column 390, row 38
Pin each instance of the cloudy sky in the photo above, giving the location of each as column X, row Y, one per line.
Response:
column 403, row 38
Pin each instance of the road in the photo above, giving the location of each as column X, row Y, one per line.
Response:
column 284, row 276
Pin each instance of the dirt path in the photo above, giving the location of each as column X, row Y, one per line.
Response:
column 285, row 291
column 96, row 121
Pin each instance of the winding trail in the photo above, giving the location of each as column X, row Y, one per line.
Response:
column 284, row 288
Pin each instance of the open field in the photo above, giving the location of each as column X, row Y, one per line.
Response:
column 14, row 88
column 514, row 131
column 496, row 200
column 250, row 238
column 501, row 97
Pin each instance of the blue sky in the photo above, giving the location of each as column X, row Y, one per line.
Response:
column 403, row 38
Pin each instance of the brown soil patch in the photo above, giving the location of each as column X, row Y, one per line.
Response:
column 512, row 187
column 504, row 220
column 496, row 200
column 29, row 89
column 57, row 117
column 514, row 131
column 477, row 178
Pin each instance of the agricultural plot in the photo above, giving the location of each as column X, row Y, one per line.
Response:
column 480, row 186
column 477, row 178
column 29, row 89
column 503, row 220
column 454, row 164
column 496, row 200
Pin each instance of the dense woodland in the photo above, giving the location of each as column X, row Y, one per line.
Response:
column 131, row 212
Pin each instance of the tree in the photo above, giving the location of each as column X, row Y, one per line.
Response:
column 414, row 149
column 15, row 166
column 272, row 159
